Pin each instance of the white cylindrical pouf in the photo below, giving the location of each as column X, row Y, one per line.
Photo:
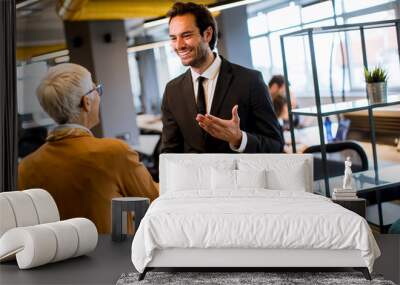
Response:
column 67, row 239
column 23, row 208
column 45, row 205
column 7, row 218
column 34, row 246
column 87, row 234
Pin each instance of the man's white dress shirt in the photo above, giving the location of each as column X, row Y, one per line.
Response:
column 209, row 84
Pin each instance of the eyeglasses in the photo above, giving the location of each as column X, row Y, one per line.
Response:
column 99, row 88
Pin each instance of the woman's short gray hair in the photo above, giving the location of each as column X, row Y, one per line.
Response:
column 61, row 91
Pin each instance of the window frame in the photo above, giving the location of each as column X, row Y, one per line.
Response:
column 345, row 16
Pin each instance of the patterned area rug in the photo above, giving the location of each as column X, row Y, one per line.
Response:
column 231, row 278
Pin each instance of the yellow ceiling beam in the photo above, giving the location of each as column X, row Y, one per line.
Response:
column 78, row 10
column 25, row 53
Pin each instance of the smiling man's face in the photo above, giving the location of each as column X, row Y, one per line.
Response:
column 187, row 42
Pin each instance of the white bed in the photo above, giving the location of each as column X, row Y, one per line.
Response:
column 243, row 210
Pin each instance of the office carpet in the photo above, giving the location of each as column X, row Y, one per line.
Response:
column 243, row 278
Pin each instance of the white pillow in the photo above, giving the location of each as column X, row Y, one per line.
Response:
column 183, row 177
column 283, row 174
column 280, row 180
column 189, row 175
column 223, row 179
column 236, row 179
column 251, row 178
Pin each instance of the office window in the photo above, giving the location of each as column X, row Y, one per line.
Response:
column 338, row 6
column 266, row 53
column 330, row 57
column 29, row 76
column 381, row 51
column 317, row 12
column 135, row 82
column 33, row 121
column 257, row 25
column 276, row 53
column 329, row 22
column 284, row 18
column 353, row 5
column 175, row 66
column 339, row 57
column 378, row 16
column 261, row 57
column 168, row 66
column 298, row 69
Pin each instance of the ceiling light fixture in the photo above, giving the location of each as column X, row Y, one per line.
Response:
column 50, row 55
column 231, row 5
column 61, row 59
column 148, row 46
column 25, row 3
column 155, row 23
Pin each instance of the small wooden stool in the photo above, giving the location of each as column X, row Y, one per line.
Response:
column 119, row 209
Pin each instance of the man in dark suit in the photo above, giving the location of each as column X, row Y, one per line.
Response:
column 216, row 106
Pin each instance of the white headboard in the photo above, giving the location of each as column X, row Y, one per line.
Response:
column 287, row 164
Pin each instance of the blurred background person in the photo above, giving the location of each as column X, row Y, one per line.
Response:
column 277, row 86
column 277, row 90
column 281, row 111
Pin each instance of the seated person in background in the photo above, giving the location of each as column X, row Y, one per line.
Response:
column 281, row 111
column 277, row 88
column 82, row 173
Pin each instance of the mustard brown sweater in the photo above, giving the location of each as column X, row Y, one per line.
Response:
column 83, row 173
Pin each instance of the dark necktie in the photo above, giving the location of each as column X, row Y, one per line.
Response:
column 201, row 98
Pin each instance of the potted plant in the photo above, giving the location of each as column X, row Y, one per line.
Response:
column 376, row 80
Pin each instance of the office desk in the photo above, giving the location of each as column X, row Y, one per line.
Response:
column 149, row 123
column 147, row 144
column 102, row 266
column 44, row 122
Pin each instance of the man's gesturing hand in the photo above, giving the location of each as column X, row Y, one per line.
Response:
column 226, row 130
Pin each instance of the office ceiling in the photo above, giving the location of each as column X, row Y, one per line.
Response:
column 40, row 26
column 76, row 10
column 38, row 29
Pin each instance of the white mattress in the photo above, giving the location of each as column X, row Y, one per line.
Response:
column 253, row 218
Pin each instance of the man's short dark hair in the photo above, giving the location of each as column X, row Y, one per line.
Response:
column 276, row 79
column 203, row 17
column 279, row 103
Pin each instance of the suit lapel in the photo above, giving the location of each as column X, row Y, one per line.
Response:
column 191, row 109
column 223, row 83
column 188, row 92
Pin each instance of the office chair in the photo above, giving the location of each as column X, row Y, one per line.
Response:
column 336, row 153
column 30, row 140
column 151, row 161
